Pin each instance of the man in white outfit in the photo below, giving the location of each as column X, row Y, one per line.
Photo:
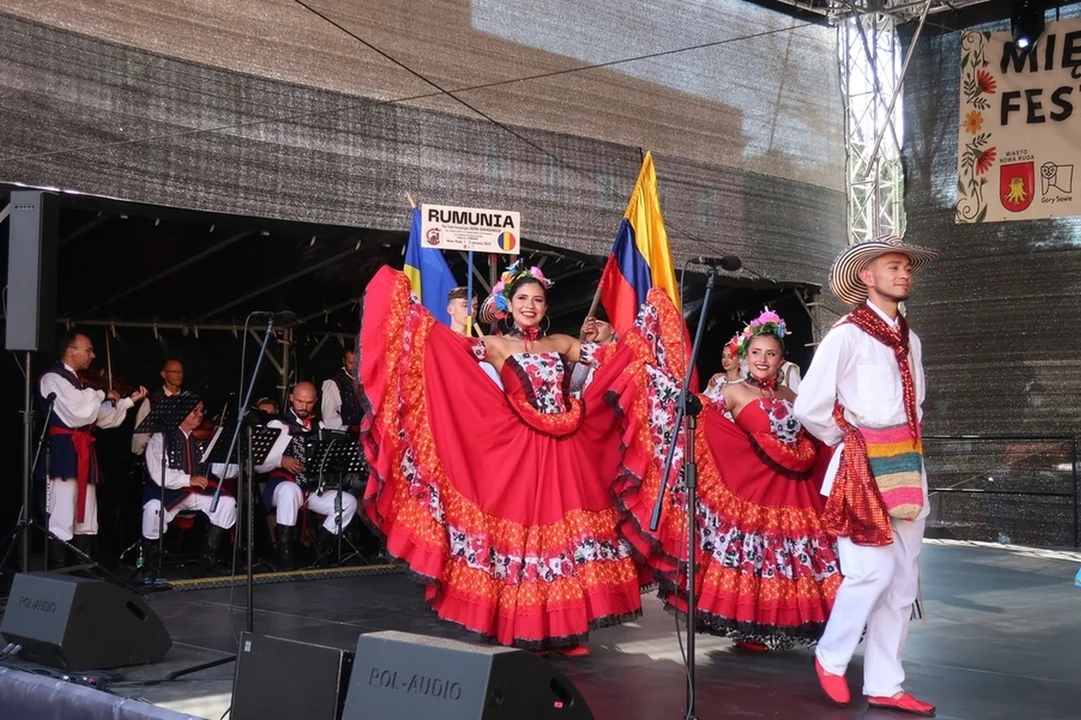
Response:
column 284, row 494
column 72, row 463
column 863, row 394
column 175, row 472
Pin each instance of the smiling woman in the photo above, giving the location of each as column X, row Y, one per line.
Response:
column 499, row 500
column 768, row 570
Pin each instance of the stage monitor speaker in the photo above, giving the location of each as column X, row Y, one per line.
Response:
column 402, row 675
column 30, row 324
column 76, row 623
column 278, row 678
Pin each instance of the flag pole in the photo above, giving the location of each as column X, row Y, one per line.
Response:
column 469, row 298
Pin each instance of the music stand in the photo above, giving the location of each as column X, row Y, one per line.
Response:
column 165, row 416
column 337, row 452
column 259, row 440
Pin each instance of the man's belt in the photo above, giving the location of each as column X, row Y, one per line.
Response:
column 82, row 440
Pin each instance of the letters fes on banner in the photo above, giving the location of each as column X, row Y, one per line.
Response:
column 1019, row 145
column 460, row 228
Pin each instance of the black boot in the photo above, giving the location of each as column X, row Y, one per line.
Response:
column 208, row 555
column 58, row 554
column 327, row 547
column 85, row 544
column 285, row 535
column 151, row 558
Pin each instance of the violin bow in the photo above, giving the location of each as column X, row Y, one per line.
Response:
column 109, row 359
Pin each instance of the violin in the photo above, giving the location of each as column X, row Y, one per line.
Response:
column 209, row 426
column 98, row 381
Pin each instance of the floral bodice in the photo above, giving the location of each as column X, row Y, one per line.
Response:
column 541, row 380
column 772, row 415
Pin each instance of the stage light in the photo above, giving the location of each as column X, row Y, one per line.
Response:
column 1027, row 22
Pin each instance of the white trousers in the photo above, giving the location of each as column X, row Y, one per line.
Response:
column 223, row 517
column 879, row 588
column 288, row 497
column 63, row 495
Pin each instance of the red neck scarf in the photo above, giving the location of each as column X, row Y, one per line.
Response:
column 872, row 323
column 765, row 384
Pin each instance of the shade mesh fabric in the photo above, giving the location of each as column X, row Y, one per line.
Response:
column 747, row 135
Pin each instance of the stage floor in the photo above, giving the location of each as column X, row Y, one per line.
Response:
column 1002, row 639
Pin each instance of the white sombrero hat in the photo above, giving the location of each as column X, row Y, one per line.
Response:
column 845, row 275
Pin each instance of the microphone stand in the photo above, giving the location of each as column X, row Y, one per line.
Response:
column 689, row 407
column 26, row 514
column 242, row 416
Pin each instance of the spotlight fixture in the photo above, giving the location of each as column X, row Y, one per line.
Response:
column 1027, row 22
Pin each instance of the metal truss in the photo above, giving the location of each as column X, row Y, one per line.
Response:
column 872, row 76
column 870, row 73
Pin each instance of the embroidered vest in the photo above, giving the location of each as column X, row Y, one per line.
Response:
column 350, row 409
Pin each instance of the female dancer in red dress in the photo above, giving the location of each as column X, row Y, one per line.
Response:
column 498, row 500
column 767, row 570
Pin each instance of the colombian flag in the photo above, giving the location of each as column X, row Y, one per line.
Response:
column 640, row 258
column 428, row 273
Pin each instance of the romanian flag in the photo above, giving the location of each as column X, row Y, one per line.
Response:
column 428, row 273
column 640, row 258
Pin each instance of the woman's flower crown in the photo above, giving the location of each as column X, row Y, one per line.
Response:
column 768, row 323
column 500, row 297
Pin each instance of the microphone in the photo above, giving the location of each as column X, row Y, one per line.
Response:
column 731, row 263
column 285, row 317
column 51, row 399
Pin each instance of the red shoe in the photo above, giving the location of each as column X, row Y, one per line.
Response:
column 752, row 646
column 576, row 652
column 835, row 686
column 905, row 703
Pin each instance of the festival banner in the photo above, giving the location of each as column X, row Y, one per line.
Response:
column 1018, row 142
column 471, row 229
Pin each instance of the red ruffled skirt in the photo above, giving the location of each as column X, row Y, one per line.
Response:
column 504, row 515
column 767, row 570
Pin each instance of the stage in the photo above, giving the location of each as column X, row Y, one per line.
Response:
column 1001, row 639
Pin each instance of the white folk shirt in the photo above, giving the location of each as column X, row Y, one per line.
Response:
column 861, row 373
column 330, row 409
column 277, row 451
column 178, row 479
column 79, row 408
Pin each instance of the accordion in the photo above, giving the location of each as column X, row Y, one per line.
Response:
column 326, row 455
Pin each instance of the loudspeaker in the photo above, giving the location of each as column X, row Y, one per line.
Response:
column 278, row 678
column 32, row 250
column 77, row 623
column 402, row 675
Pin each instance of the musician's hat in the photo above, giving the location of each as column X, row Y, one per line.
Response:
column 844, row 277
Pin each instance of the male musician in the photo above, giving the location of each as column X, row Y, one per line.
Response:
column 172, row 375
column 187, row 487
column 282, row 491
column 73, row 472
column 340, row 408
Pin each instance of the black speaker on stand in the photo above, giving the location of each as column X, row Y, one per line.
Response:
column 30, row 320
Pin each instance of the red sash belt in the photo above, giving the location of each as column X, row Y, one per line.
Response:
column 81, row 440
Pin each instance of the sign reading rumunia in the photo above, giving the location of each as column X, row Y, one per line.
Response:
column 467, row 229
column 1019, row 142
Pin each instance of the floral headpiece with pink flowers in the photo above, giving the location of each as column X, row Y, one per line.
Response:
column 498, row 303
column 768, row 323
